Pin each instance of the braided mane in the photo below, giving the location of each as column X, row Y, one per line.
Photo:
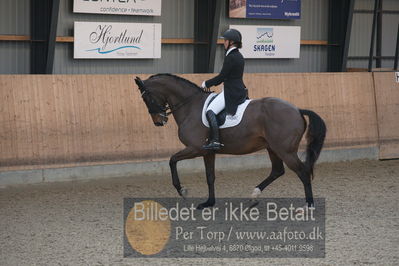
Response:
column 179, row 79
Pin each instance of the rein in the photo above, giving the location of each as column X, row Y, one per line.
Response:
column 168, row 110
column 178, row 106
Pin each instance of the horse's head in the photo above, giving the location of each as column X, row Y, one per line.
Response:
column 156, row 105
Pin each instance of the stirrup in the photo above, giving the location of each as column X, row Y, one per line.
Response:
column 213, row 145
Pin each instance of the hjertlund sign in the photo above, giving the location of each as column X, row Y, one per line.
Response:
column 117, row 40
column 120, row 7
column 270, row 41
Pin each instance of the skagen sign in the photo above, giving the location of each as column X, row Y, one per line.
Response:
column 120, row 7
column 270, row 41
column 117, row 40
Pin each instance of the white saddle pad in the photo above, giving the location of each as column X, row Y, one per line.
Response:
column 231, row 120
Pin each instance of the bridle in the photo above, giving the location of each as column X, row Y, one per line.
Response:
column 155, row 108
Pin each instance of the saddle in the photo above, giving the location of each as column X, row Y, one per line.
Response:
column 223, row 119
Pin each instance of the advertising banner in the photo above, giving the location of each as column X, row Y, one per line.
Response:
column 233, row 228
column 270, row 41
column 117, row 40
column 119, row 7
column 267, row 9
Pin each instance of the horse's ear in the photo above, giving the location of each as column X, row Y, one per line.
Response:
column 139, row 83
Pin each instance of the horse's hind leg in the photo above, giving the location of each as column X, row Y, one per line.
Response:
column 277, row 171
column 209, row 161
column 293, row 162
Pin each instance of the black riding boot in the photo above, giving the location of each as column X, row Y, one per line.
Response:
column 214, row 143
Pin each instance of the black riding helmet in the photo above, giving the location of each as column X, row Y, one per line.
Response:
column 232, row 35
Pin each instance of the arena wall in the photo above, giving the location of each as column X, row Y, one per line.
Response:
column 73, row 120
column 387, row 102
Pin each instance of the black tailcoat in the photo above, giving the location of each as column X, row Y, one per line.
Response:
column 231, row 74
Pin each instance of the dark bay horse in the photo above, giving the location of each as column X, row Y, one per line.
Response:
column 268, row 123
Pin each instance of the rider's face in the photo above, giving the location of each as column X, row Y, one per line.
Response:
column 226, row 44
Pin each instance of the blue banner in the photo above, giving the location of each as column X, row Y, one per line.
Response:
column 266, row 9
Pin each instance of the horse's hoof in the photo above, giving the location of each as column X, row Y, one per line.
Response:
column 205, row 205
column 183, row 192
column 256, row 193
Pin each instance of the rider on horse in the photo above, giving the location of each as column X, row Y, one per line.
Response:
column 234, row 92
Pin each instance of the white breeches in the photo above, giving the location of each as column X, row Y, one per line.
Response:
column 218, row 104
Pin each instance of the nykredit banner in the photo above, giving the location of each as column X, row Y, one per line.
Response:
column 270, row 41
column 270, row 9
column 117, row 40
column 121, row 7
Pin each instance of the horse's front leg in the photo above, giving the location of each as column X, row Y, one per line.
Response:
column 187, row 153
column 209, row 161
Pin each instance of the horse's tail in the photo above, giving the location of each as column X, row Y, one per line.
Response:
column 315, row 138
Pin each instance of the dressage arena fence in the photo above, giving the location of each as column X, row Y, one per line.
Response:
column 50, row 121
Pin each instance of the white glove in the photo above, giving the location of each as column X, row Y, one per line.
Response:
column 203, row 85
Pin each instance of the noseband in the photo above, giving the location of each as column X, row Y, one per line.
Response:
column 153, row 106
